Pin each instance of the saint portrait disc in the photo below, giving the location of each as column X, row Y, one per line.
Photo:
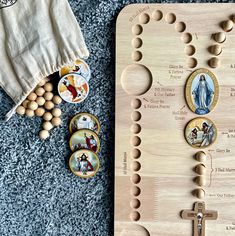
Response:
column 73, row 88
column 84, row 121
column 202, row 91
column 84, row 163
column 85, row 139
column 79, row 67
column 200, row 132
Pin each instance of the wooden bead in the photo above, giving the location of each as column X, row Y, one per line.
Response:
column 200, row 193
column 56, row 112
column 200, row 169
column 47, row 125
column 40, row 91
column 44, row 134
column 214, row 62
column 201, row 156
column 47, row 116
column 57, row 100
column 48, row 87
column 48, row 96
column 220, row 37
column 227, row 25
column 29, row 113
column 25, row 103
column 201, row 181
column 40, row 112
column 32, row 97
column 42, row 82
column 33, row 105
column 40, row 101
column 20, row 110
column 49, row 105
column 56, row 121
column 216, row 49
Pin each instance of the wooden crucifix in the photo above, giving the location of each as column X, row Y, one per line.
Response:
column 199, row 216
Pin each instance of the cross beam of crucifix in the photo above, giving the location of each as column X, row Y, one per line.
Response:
column 199, row 215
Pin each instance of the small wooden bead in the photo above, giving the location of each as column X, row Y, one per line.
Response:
column 29, row 113
column 57, row 100
column 56, row 112
column 216, row 49
column 56, row 121
column 48, row 87
column 200, row 169
column 20, row 110
column 47, row 125
column 201, row 156
column 49, row 105
column 40, row 112
column 48, row 96
column 220, row 37
column 32, row 97
column 40, row 101
column 47, row 116
column 42, row 82
column 40, row 91
column 227, row 25
column 214, row 62
column 33, row 105
column 200, row 193
column 201, row 181
column 44, row 134
column 25, row 103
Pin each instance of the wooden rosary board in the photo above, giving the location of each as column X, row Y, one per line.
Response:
column 154, row 165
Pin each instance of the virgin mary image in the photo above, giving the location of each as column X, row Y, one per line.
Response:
column 203, row 96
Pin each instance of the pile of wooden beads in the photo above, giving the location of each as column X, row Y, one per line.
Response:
column 41, row 102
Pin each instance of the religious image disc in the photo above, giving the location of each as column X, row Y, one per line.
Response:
column 79, row 67
column 85, row 139
column 84, row 163
column 200, row 132
column 73, row 88
column 84, row 121
column 202, row 91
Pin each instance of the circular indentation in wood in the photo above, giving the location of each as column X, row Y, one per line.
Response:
column 200, row 181
column 137, row 29
column 220, row 37
column 170, row 18
column 136, row 116
column 227, row 25
column 200, row 169
column 216, row 49
column 134, row 229
column 135, row 216
column 136, row 153
column 144, row 18
column 135, row 166
column 135, row 191
column 199, row 193
column 135, row 128
column 135, row 203
column 201, row 156
column 180, row 27
column 157, row 15
column 136, row 103
column 136, row 79
column 135, row 178
column 137, row 56
column 189, row 50
column 136, row 141
column 192, row 62
column 186, row 38
column 214, row 62
column 137, row 42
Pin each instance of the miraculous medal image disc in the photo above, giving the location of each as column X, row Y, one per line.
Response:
column 202, row 91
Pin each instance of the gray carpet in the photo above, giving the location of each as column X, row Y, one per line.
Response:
column 38, row 194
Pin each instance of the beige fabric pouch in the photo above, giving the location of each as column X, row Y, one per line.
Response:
column 37, row 38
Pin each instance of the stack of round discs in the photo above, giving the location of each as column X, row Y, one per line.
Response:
column 73, row 86
column 42, row 103
column 85, row 144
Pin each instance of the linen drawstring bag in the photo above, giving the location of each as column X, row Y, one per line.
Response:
column 37, row 38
